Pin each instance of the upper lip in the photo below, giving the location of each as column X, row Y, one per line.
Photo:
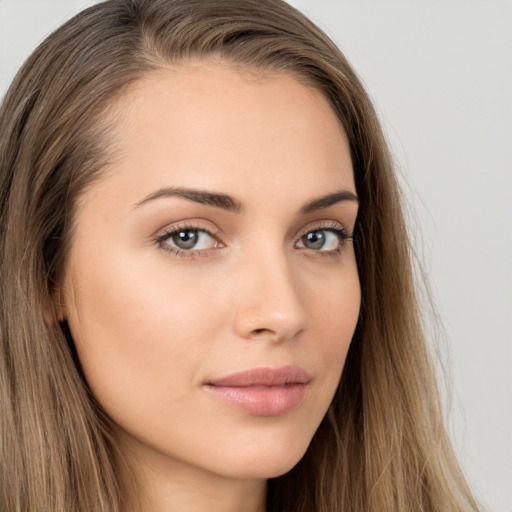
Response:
column 264, row 376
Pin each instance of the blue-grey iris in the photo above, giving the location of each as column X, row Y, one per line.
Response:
column 314, row 240
column 185, row 239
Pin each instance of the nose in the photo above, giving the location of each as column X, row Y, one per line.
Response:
column 269, row 303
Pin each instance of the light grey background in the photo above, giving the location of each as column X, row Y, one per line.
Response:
column 440, row 73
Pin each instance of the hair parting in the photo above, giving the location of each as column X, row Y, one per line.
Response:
column 382, row 445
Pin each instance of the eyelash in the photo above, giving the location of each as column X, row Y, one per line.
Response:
column 160, row 240
column 344, row 236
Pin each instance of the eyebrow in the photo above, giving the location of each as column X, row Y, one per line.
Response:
column 222, row 201
column 226, row 202
column 325, row 201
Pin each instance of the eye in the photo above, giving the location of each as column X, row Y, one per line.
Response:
column 187, row 239
column 324, row 240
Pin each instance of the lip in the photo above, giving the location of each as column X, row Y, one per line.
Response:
column 262, row 391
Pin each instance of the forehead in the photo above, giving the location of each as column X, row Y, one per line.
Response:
column 208, row 125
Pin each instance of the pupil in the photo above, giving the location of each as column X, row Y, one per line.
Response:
column 314, row 240
column 185, row 239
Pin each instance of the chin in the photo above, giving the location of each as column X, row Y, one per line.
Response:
column 265, row 460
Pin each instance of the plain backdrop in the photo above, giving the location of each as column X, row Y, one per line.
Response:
column 440, row 74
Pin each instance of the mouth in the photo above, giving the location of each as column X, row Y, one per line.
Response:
column 262, row 391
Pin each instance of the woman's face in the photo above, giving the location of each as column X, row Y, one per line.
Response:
column 211, row 287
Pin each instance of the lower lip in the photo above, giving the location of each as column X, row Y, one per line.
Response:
column 259, row 400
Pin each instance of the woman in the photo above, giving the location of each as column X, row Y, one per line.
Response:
column 208, row 300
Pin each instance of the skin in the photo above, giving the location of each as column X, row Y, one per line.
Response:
column 151, row 326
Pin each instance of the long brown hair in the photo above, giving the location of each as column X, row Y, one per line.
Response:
column 382, row 445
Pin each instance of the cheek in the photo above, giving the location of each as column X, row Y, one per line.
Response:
column 337, row 315
column 138, row 335
column 334, row 306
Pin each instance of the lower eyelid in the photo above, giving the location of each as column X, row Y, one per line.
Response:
column 161, row 240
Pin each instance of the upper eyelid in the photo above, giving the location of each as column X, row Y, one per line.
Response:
column 324, row 224
column 195, row 225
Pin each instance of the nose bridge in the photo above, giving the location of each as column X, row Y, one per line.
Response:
column 270, row 302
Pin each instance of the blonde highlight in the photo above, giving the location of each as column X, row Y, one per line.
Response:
column 382, row 445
